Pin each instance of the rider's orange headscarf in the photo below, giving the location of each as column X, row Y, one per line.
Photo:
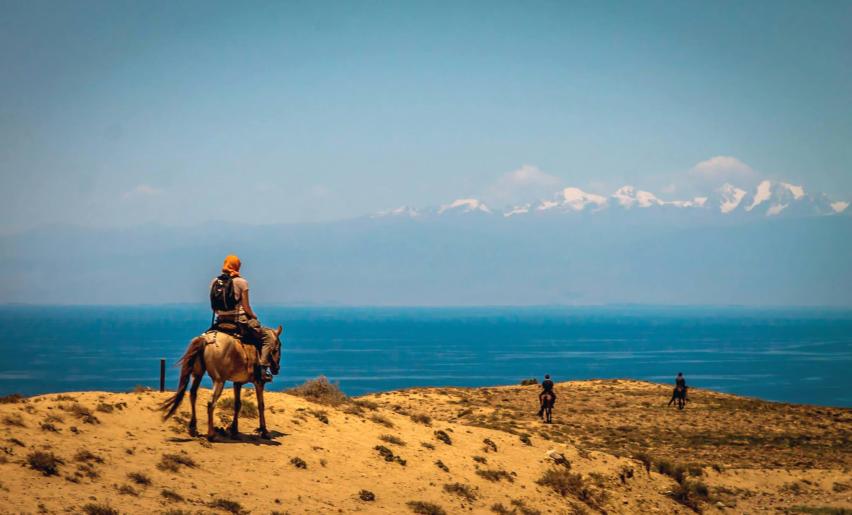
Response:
column 232, row 266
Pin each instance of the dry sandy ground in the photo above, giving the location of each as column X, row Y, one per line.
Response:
column 115, row 452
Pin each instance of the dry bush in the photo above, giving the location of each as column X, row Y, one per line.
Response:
column 462, row 490
column 320, row 415
column 104, row 407
column 173, row 462
column 382, row 420
column 14, row 419
column 440, row 465
column 489, row 445
column 248, row 408
column 392, row 439
column 99, row 509
column 644, row 459
column 523, row 508
column 366, row 495
column 321, row 391
column 427, row 445
column 54, row 418
column 171, row 495
column 47, row 426
column 499, row 509
column 45, row 462
column 388, row 455
column 127, row 490
column 529, row 382
column 444, row 437
column 674, row 471
column 564, row 483
column 425, row 508
column 495, row 475
column 81, row 412
column 691, row 494
column 84, row 456
column 480, row 459
column 12, row 398
column 525, row 439
column 139, row 478
column 227, row 505
column 420, row 418
column 299, row 463
column 366, row 404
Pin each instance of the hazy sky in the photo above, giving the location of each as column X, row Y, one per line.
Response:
column 115, row 113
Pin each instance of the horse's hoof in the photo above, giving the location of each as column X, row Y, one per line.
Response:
column 193, row 432
column 211, row 438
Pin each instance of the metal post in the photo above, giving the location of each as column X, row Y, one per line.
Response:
column 162, row 374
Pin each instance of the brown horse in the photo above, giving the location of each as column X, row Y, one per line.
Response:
column 223, row 358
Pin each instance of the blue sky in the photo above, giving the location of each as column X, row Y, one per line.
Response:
column 115, row 113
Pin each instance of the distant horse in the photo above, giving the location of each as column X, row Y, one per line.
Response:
column 223, row 358
column 679, row 395
column 547, row 402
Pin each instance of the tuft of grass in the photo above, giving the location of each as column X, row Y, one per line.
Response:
column 321, row 391
column 248, row 408
column 14, row 419
column 139, row 478
column 47, row 426
column 427, row 445
column 523, row 508
column 173, row 462
column 420, row 418
column 382, row 420
column 480, row 459
column 444, row 437
column 13, row 398
column 388, row 455
column 495, row 475
column 821, row 510
column 425, row 508
column 227, row 505
column 499, row 509
column 299, row 463
column 440, row 465
column 85, row 456
column 45, row 462
column 525, row 439
column 99, row 509
column 674, row 471
column 563, row 482
column 128, row 490
column 365, row 404
column 171, row 495
column 392, row 439
column 529, row 382
column 462, row 490
column 320, row 415
column 366, row 495
column 489, row 445
column 81, row 412
column 104, row 407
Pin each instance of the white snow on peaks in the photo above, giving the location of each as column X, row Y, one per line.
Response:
column 577, row 199
column 400, row 211
column 839, row 206
column 797, row 191
column 764, row 191
column 628, row 196
column 468, row 205
column 731, row 197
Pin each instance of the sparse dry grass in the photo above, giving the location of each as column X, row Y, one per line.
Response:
column 248, row 408
column 45, row 462
column 298, row 462
column 139, row 478
column 173, row 462
column 388, row 455
column 392, row 440
column 12, row 398
column 495, row 475
column 227, row 505
column 99, row 509
column 381, row 420
column 420, row 418
column 462, row 490
column 321, row 391
column 14, row 420
column 443, row 436
column 425, row 508
column 171, row 495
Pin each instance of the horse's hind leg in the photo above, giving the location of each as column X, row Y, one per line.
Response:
column 234, row 429
column 211, row 405
column 261, row 408
column 193, row 395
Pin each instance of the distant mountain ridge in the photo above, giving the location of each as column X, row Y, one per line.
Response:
column 768, row 199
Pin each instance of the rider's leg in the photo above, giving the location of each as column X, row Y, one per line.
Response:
column 541, row 404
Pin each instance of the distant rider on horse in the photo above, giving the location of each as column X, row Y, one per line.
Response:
column 680, row 388
column 546, row 389
column 229, row 299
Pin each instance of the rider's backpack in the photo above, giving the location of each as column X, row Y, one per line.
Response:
column 222, row 294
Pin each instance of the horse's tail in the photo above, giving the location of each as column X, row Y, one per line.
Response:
column 187, row 362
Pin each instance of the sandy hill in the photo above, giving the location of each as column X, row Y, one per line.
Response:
column 613, row 447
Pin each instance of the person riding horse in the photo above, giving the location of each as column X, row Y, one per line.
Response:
column 229, row 299
column 680, row 390
column 546, row 391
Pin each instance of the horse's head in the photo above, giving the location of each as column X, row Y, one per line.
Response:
column 275, row 355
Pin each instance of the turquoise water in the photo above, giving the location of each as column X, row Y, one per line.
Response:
column 801, row 356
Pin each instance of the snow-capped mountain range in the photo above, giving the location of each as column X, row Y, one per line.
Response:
column 768, row 199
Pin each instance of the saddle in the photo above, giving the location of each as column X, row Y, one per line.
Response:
column 237, row 331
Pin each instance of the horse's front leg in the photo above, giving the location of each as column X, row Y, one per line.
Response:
column 234, row 429
column 261, row 408
column 193, row 395
column 211, row 405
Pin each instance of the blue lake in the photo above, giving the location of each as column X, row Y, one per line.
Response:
column 790, row 355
